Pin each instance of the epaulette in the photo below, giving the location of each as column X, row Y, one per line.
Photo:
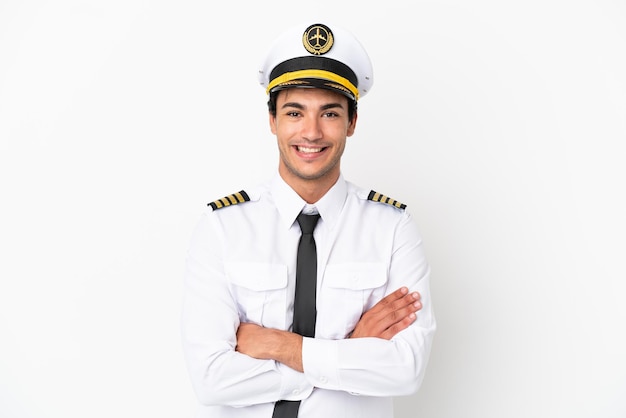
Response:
column 377, row 197
column 230, row 200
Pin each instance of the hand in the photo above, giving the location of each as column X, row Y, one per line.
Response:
column 270, row 344
column 389, row 316
column 253, row 340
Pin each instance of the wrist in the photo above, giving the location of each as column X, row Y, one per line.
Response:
column 288, row 349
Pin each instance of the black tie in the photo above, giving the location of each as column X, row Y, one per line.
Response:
column 304, row 310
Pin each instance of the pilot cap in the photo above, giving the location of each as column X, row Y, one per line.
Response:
column 317, row 56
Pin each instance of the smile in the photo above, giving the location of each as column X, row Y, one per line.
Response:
column 308, row 150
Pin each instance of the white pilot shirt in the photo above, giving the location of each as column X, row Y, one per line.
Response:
column 241, row 268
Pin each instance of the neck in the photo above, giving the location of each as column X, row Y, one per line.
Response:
column 309, row 190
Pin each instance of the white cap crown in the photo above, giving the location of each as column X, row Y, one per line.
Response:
column 317, row 56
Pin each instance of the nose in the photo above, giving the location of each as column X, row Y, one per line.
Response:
column 311, row 128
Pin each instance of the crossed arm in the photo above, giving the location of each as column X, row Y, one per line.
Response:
column 241, row 364
column 388, row 317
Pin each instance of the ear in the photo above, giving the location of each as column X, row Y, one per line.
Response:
column 272, row 123
column 352, row 125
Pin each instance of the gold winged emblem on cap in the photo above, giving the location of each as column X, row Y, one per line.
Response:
column 318, row 39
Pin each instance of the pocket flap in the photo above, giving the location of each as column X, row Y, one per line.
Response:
column 355, row 275
column 257, row 276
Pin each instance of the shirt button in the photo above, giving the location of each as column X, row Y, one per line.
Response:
column 296, row 391
column 323, row 379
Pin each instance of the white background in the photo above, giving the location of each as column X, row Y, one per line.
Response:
column 501, row 125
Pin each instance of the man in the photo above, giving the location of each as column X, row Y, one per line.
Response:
column 263, row 339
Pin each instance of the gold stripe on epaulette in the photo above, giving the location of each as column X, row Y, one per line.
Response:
column 377, row 197
column 230, row 200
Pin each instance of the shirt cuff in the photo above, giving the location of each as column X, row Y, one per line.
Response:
column 295, row 385
column 320, row 360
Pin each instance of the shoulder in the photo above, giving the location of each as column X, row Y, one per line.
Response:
column 375, row 198
column 242, row 199
column 230, row 200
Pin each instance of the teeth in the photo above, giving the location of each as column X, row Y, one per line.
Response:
column 309, row 150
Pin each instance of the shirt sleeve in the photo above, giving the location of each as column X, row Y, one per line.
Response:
column 374, row 366
column 209, row 322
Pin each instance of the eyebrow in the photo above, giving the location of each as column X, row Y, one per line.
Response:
column 301, row 107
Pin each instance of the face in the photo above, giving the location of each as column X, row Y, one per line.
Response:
column 311, row 127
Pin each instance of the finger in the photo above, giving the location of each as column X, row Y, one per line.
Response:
column 391, row 305
column 390, row 332
column 389, row 314
column 380, row 322
column 407, row 300
column 409, row 307
column 388, row 301
column 394, row 308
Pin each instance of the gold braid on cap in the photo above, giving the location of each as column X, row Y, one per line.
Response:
column 322, row 74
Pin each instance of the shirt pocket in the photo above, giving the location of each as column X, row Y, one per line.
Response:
column 348, row 290
column 260, row 291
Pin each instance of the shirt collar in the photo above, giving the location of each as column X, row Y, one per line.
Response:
column 289, row 204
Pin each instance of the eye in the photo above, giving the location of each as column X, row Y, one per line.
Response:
column 330, row 115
